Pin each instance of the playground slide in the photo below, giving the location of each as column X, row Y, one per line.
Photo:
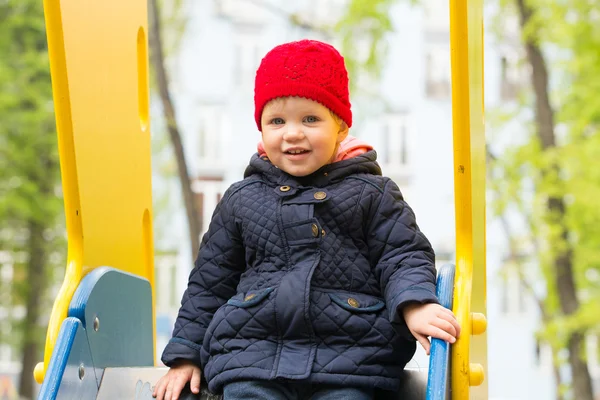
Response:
column 104, row 347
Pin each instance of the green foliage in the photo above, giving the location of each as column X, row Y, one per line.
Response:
column 569, row 34
column 29, row 169
column 364, row 26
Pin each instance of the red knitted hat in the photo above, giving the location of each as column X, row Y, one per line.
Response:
column 307, row 68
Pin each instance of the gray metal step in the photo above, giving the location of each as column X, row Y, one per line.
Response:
column 137, row 382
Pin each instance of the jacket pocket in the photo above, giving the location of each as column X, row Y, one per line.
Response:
column 249, row 299
column 358, row 303
column 344, row 320
column 243, row 321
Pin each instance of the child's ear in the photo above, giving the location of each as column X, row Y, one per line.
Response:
column 343, row 132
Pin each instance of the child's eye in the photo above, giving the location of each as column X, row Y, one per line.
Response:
column 277, row 121
column 311, row 119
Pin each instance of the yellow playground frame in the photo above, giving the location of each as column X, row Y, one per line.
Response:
column 103, row 141
column 104, row 145
column 466, row 45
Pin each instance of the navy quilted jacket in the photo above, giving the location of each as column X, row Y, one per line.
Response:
column 303, row 279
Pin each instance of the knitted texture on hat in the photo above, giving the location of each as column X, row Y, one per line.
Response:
column 306, row 68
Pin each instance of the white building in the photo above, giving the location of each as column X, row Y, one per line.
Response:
column 410, row 126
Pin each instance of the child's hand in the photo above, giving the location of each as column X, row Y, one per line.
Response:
column 169, row 387
column 433, row 320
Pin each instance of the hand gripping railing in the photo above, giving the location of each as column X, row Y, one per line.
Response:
column 439, row 360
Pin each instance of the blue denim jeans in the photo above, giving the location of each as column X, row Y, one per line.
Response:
column 275, row 390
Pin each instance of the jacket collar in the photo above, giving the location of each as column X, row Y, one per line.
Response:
column 362, row 164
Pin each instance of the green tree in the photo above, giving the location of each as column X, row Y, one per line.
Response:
column 548, row 178
column 30, row 203
column 523, row 244
column 553, row 167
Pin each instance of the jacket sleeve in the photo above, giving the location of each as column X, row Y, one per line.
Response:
column 403, row 257
column 212, row 282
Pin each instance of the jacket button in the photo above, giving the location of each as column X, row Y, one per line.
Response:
column 353, row 302
column 322, row 232
column 315, row 230
column 285, row 188
column 320, row 195
column 249, row 297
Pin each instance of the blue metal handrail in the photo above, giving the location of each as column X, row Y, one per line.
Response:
column 439, row 360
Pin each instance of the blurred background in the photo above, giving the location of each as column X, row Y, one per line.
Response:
column 542, row 107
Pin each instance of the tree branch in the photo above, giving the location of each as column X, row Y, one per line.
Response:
column 515, row 257
column 158, row 62
column 556, row 207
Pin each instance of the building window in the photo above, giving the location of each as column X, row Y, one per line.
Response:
column 436, row 15
column 543, row 355
column 248, row 53
column 513, row 76
column 538, row 351
column 212, row 128
column 396, row 131
column 443, row 256
column 514, row 292
column 208, row 193
column 200, row 209
column 6, row 353
column 167, row 295
column 323, row 13
column 437, row 72
column 241, row 10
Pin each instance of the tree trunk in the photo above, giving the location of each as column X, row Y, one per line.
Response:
column 563, row 262
column 36, row 278
column 157, row 59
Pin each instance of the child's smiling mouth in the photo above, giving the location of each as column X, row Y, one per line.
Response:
column 294, row 151
column 296, row 154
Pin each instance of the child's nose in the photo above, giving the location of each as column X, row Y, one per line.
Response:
column 293, row 132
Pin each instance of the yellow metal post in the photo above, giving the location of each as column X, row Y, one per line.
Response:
column 469, row 353
column 99, row 67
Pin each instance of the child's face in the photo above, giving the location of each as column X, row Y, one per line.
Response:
column 300, row 135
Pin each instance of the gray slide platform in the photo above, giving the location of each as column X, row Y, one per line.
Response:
column 136, row 383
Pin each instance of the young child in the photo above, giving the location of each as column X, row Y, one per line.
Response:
column 313, row 280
